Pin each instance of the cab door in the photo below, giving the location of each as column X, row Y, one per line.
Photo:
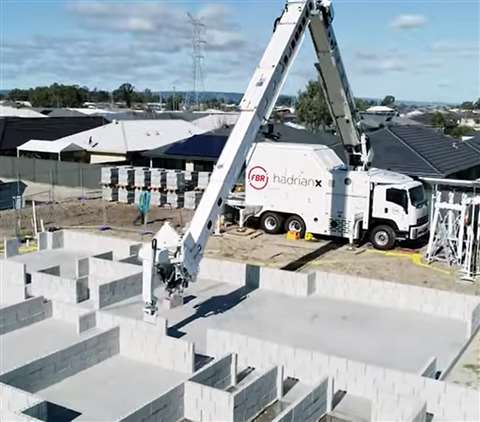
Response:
column 391, row 203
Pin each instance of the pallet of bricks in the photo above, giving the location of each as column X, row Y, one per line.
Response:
column 168, row 188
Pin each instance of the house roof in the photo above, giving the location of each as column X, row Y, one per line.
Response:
column 420, row 151
column 412, row 150
column 9, row 111
column 54, row 147
column 15, row 131
column 121, row 137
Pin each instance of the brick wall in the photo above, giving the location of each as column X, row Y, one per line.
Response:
column 24, row 313
column 310, row 407
column 216, row 374
column 149, row 343
column 56, row 366
column 447, row 401
column 12, row 282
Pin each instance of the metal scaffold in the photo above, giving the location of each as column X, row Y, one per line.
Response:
column 455, row 230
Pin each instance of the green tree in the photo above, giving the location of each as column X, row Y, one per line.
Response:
column 388, row 101
column 362, row 105
column 312, row 109
column 459, row 131
column 124, row 92
column 18, row 95
column 438, row 120
column 467, row 105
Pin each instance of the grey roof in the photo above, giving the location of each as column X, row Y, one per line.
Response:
column 420, row 151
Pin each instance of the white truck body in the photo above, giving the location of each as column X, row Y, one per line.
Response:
column 310, row 181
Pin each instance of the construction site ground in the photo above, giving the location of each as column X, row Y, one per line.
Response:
column 87, row 212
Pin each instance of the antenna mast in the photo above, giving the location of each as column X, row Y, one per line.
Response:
column 198, row 44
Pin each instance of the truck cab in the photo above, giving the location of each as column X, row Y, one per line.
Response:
column 399, row 206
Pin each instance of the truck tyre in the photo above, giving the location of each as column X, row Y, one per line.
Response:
column 383, row 238
column 295, row 223
column 271, row 223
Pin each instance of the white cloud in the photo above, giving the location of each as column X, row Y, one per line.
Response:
column 465, row 49
column 408, row 22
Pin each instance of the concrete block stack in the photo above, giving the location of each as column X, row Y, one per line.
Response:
column 126, row 176
column 125, row 195
column 142, row 177
column 169, row 188
column 192, row 199
column 175, row 199
column 109, row 182
column 203, row 179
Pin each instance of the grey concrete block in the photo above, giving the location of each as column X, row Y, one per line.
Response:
column 23, row 314
column 10, row 248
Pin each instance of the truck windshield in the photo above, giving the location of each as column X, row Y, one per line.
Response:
column 417, row 196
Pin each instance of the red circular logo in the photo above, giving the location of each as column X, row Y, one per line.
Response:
column 258, row 178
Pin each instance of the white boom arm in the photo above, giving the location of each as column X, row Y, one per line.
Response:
column 176, row 259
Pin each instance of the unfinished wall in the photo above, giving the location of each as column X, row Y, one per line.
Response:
column 216, row 374
column 12, row 282
column 236, row 273
column 111, row 282
column 21, row 314
column 51, row 240
column 10, row 248
column 56, row 366
column 255, row 396
column 401, row 296
column 57, row 288
column 387, row 407
column 149, row 343
column 207, row 404
column 287, row 282
column 311, row 407
column 168, row 407
column 121, row 248
column 83, row 318
column 447, row 401
column 15, row 400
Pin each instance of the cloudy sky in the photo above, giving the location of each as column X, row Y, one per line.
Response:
column 424, row 50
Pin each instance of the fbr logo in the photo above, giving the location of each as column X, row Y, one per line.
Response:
column 258, row 178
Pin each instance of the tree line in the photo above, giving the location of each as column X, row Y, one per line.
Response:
column 74, row 96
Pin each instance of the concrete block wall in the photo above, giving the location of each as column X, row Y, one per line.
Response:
column 207, row 404
column 10, row 248
column 311, row 407
column 445, row 400
column 253, row 397
column 12, row 282
column 83, row 318
column 168, row 407
column 111, row 282
column 387, row 407
column 15, row 400
column 56, row 366
column 55, row 287
column 430, row 368
column 376, row 292
column 13, row 317
column 223, row 271
column 51, row 240
column 120, row 247
column 149, row 343
column 287, row 282
column 216, row 374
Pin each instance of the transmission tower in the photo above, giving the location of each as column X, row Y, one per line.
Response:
column 198, row 47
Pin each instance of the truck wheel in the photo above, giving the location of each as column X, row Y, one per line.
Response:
column 295, row 223
column 383, row 238
column 271, row 222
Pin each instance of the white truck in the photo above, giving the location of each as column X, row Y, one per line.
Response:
column 307, row 188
